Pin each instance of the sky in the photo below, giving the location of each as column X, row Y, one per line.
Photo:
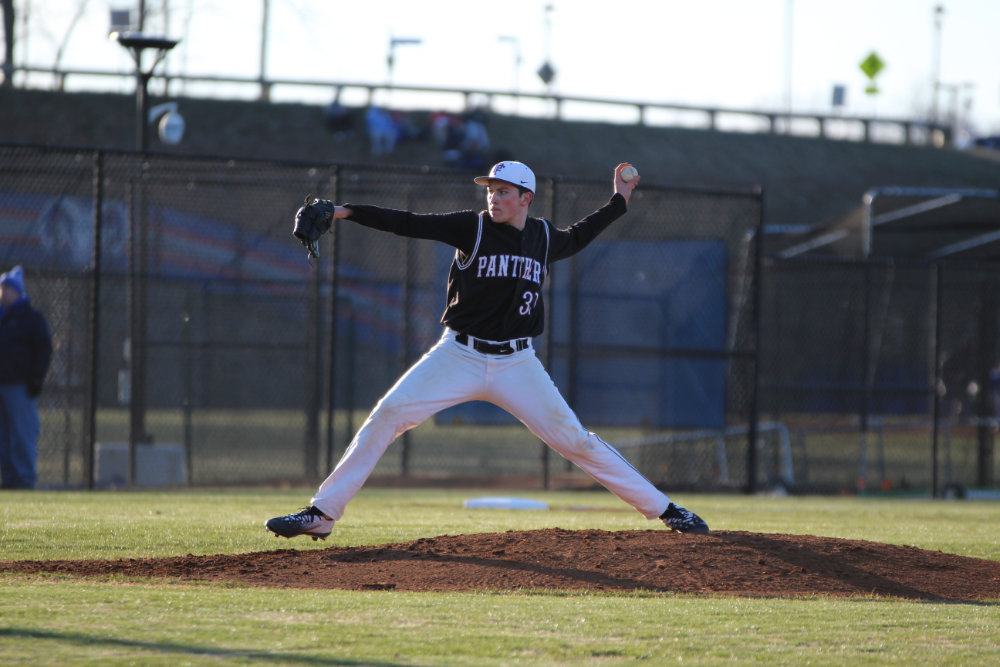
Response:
column 740, row 54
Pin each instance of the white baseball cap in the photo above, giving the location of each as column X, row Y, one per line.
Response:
column 515, row 173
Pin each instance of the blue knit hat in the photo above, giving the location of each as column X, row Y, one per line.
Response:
column 14, row 278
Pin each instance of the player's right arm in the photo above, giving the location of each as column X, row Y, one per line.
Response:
column 623, row 187
column 567, row 242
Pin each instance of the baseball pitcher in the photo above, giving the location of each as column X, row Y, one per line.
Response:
column 494, row 308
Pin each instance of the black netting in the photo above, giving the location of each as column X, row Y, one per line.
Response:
column 877, row 369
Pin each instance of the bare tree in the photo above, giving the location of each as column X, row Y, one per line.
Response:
column 80, row 10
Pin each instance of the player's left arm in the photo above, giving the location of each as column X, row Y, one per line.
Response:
column 458, row 229
column 315, row 217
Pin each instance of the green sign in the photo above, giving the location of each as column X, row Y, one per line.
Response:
column 872, row 65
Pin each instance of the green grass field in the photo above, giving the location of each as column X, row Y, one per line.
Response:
column 60, row 620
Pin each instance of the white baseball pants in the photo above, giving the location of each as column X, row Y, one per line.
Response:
column 451, row 373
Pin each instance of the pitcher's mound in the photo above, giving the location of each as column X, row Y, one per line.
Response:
column 725, row 562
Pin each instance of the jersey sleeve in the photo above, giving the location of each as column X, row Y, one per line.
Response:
column 458, row 229
column 569, row 241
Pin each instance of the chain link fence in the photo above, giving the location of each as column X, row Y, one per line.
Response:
column 196, row 345
column 883, row 373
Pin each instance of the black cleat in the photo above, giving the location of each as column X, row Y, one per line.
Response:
column 683, row 521
column 309, row 521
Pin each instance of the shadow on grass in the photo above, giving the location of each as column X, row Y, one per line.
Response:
column 154, row 648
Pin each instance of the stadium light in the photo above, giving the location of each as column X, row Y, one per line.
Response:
column 136, row 43
column 169, row 122
column 391, row 58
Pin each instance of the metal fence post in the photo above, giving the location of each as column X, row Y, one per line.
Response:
column 410, row 264
column 867, row 378
column 334, row 322
column 938, row 372
column 984, row 399
column 90, row 403
column 315, row 375
column 546, row 454
column 314, row 369
column 187, row 395
column 758, row 260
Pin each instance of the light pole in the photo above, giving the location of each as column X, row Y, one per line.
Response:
column 789, row 60
column 547, row 73
column 516, row 44
column 137, row 43
column 954, row 117
column 390, row 59
column 265, row 87
column 936, row 83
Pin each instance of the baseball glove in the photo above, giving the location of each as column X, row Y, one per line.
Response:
column 311, row 222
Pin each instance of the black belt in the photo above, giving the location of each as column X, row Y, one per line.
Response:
column 506, row 347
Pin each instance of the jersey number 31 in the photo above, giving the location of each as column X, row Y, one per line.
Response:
column 530, row 299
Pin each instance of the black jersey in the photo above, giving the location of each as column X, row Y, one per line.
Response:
column 495, row 281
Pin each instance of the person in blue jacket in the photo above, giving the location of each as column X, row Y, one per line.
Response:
column 25, row 353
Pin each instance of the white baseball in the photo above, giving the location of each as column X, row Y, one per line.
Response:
column 628, row 173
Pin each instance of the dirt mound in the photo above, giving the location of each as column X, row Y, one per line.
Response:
column 731, row 563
